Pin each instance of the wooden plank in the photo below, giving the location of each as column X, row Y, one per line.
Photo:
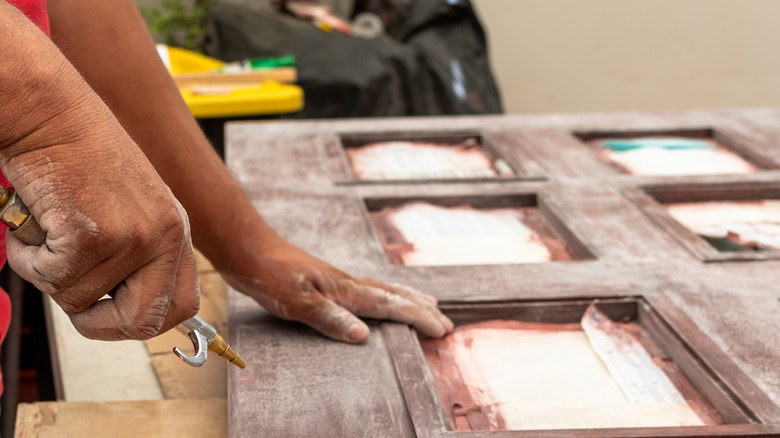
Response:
column 131, row 419
column 505, row 145
column 745, row 147
column 736, row 430
column 298, row 383
column 558, row 219
column 554, row 311
column 707, row 384
column 655, row 211
column 337, row 163
column 96, row 370
column 278, row 74
column 424, row 404
column 652, row 198
column 749, row 396
column 631, row 133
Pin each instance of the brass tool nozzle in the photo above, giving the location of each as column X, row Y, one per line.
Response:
column 222, row 348
column 204, row 338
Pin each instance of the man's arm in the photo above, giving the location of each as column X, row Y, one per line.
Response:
column 109, row 44
column 62, row 149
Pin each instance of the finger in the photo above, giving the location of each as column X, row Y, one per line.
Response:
column 330, row 319
column 142, row 306
column 405, row 289
column 185, row 301
column 397, row 304
column 75, row 279
column 21, row 256
column 426, row 301
column 116, row 319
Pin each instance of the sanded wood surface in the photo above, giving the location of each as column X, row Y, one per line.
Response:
column 307, row 385
column 724, row 314
column 130, row 419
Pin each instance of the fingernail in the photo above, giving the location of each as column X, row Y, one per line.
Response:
column 357, row 332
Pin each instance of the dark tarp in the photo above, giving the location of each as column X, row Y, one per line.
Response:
column 432, row 60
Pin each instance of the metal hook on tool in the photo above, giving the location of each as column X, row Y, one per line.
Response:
column 205, row 338
column 201, row 351
column 201, row 335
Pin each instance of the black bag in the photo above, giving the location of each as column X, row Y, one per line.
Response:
column 431, row 60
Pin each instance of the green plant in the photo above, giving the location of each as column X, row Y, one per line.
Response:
column 180, row 23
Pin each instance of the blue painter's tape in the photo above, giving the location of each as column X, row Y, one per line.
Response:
column 670, row 143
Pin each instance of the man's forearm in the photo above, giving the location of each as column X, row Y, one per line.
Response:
column 39, row 88
column 109, row 44
column 62, row 149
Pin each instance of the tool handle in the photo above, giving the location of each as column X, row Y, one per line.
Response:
column 20, row 221
column 30, row 232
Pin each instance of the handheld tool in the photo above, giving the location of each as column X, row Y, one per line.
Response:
column 24, row 227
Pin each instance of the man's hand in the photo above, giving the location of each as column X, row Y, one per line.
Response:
column 113, row 227
column 294, row 285
column 110, row 45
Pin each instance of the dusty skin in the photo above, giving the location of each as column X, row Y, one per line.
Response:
column 113, row 225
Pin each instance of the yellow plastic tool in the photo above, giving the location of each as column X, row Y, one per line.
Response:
column 213, row 95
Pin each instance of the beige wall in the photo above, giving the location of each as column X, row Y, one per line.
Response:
column 586, row 55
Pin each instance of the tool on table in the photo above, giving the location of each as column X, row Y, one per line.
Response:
column 24, row 227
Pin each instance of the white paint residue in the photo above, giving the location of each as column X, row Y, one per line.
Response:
column 537, row 379
column 421, row 221
column 534, row 367
column 628, row 362
column 476, row 250
column 420, row 160
column 754, row 221
column 462, row 236
column 657, row 161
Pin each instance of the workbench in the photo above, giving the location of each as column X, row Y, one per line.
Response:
column 719, row 311
column 133, row 388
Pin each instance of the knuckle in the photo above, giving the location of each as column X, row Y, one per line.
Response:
column 169, row 226
column 171, row 232
column 305, row 310
column 144, row 328
column 147, row 323
column 57, row 285
column 173, row 222
column 69, row 302
column 92, row 242
column 143, row 331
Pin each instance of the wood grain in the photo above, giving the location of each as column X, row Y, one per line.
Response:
column 148, row 419
column 296, row 175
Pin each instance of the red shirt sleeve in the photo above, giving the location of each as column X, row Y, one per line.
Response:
column 5, row 303
column 35, row 10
